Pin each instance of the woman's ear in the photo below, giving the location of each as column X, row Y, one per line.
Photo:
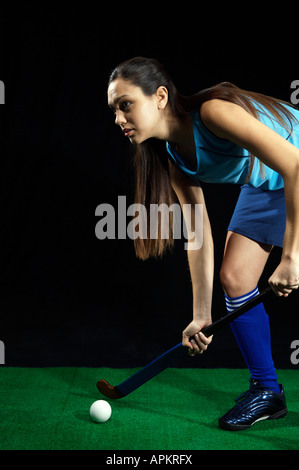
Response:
column 162, row 97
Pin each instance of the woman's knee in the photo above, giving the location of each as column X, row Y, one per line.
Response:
column 230, row 281
column 243, row 263
column 236, row 282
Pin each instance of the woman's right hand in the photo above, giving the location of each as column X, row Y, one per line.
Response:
column 199, row 342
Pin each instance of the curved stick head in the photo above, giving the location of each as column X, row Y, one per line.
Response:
column 108, row 390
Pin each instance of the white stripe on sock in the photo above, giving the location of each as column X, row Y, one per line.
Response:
column 233, row 303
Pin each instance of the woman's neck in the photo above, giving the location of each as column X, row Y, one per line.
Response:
column 177, row 130
column 181, row 133
column 181, row 138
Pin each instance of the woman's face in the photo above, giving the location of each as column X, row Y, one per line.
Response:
column 137, row 114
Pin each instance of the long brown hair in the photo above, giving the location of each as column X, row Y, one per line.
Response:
column 151, row 161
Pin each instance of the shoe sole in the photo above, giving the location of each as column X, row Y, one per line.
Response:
column 241, row 427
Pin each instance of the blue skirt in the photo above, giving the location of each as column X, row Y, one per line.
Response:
column 260, row 215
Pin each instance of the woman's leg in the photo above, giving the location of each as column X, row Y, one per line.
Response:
column 243, row 263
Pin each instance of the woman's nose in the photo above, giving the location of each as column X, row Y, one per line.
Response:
column 120, row 118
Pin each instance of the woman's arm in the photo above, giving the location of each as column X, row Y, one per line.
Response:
column 201, row 261
column 229, row 121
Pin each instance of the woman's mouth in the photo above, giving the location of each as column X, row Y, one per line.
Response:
column 127, row 132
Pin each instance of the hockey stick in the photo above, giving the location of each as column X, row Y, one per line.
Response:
column 172, row 355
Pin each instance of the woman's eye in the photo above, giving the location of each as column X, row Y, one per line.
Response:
column 125, row 105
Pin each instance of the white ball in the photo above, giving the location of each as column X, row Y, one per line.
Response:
column 100, row 411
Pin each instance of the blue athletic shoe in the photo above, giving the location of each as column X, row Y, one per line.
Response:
column 254, row 405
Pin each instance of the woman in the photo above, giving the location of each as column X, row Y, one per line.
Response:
column 222, row 134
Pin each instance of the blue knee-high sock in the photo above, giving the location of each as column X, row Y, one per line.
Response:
column 252, row 333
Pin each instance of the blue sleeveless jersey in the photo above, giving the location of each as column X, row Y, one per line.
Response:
column 222, row 161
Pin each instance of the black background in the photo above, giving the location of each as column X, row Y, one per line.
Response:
column 67, row 298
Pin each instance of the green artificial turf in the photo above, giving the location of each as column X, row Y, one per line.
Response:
column 48, row 408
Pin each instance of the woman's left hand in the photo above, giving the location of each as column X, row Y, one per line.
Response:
column 285, row 278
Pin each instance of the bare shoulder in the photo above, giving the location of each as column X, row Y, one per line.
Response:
column 214, row 109
column 214, row 104
column 223, row 117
